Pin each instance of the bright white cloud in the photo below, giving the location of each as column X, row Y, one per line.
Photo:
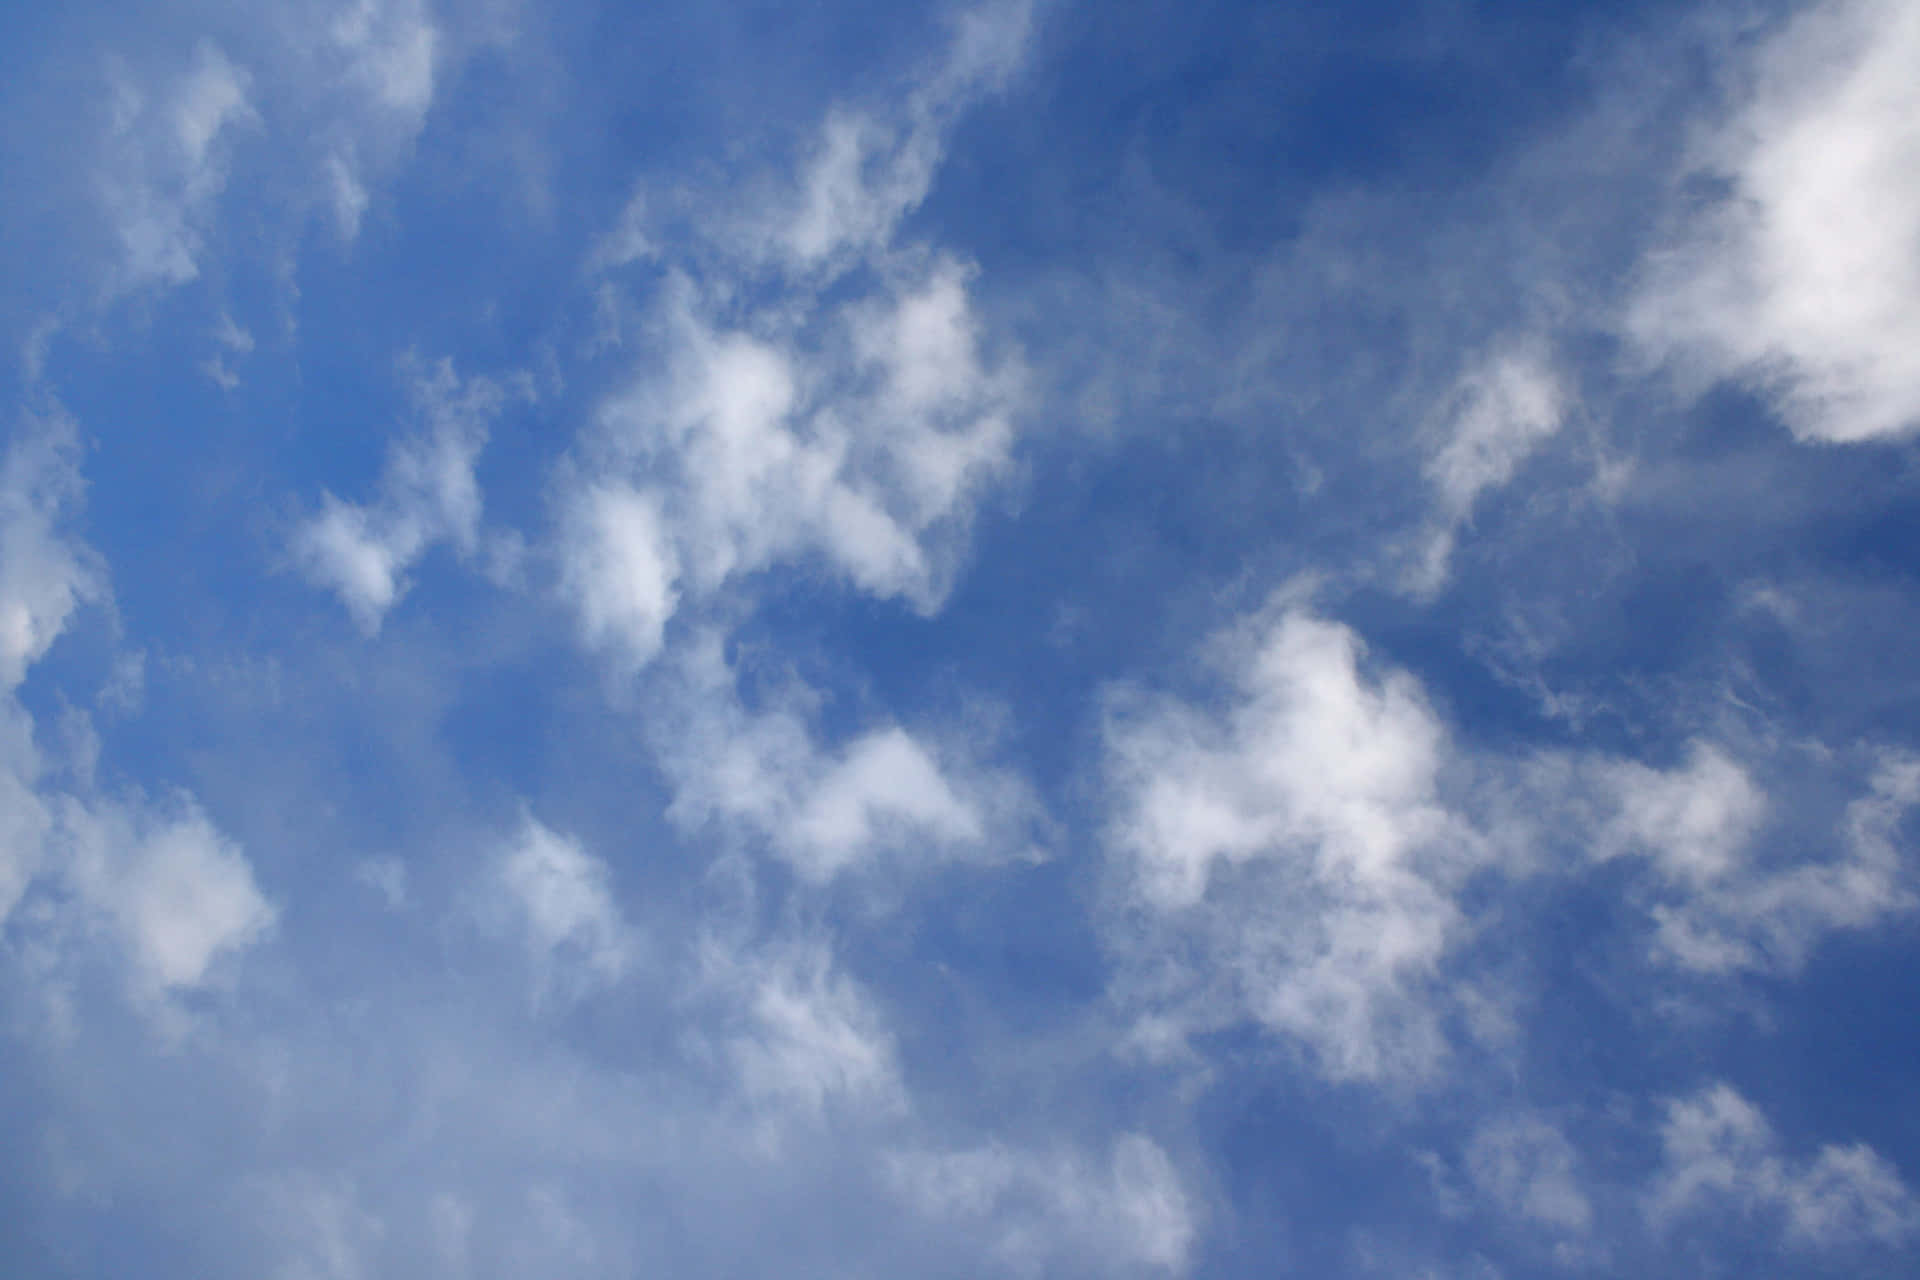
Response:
column 564, row 900
column 1295, row 838
column 747, row 452
column 1803, row 277
column 1721, row 1154
column 1040, row 1210
column 428, row 495
column 851, row 430
column 619, row 570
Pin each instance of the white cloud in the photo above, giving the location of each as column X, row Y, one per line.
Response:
column 44, row 574
column 867, row 170
column 805, row 1037
column 25, row 821
column 1730, row 909
column 1502, row 409
column 386, row 877
column 1295, row 843
column 619, row 570
column 180, row 895
column 783, row 424
column 746, row 452
column 388, row 53
column 1526, row 1168
column 428, row 495
column 1803, row 277
column 166, row 166
column 1695, row 820
column 234, row 343
column 826, row 810
column 564, row 902
column 1041, row 1210
column 1720, row 1153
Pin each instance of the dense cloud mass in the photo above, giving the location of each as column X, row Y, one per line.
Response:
column 1003, row 639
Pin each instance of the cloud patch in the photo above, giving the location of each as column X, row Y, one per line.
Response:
column 1799, row 271
column 428, row 495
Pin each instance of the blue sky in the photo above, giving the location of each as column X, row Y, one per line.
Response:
column 1021, row 639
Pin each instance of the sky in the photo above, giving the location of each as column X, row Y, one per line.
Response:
column 1016, row 638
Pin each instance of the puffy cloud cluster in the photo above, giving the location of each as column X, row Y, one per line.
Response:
column 1799, row 271
column 1296, row 853
column 822, row 395
column 1300, row 837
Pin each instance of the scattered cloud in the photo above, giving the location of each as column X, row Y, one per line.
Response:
column 1731, row 908
column 1295, row 838
column 180, row 896
column 563, row 899
column 428, row 495
column 1721, row 1156
column 883, row 795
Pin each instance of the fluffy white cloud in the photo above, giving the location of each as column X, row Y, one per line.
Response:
column 1296, row 838
column 428, row 495
column 564, row 902
column 1802, row 275
column 797, row 421
column 826, row 810
column 746, row 452
column 619, row 570
column 1040, row 1210
column 1720, row 1153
